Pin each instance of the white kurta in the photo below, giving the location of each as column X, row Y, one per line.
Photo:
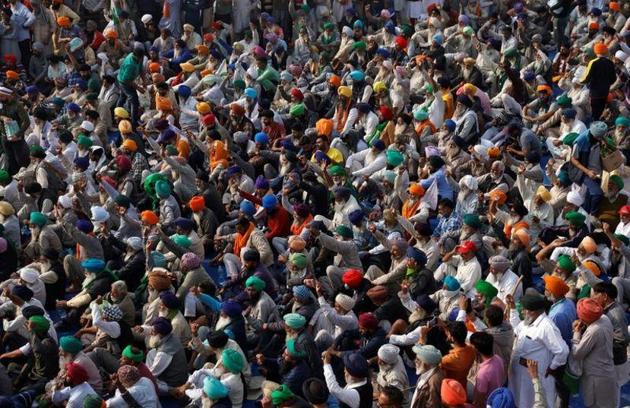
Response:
column 540, row 341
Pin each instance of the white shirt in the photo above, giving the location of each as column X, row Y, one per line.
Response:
column 342, row 323
column 347, row 395
column 112, row 329
column 468, row 273
column 623, row 229
column 143, row 392
column 74, row 395
column 506, row 284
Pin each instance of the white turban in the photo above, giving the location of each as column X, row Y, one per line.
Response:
column 389, row 353
column 575, row 198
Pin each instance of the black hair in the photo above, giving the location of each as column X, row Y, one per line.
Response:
column 92, row 114
column 394, row 395
column 494, row 315
column 483, row 342
column 458, row 331
column 606, row 287
column 447, row 203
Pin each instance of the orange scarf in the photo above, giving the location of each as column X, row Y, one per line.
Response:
column 219, row 155
column 241, row 239
column 423, row 125
column 296, row 229
column 409, row 210
column 342, row 116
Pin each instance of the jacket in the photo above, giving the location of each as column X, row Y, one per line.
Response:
column 428, row 395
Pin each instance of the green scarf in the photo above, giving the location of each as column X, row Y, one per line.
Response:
column 376, row 133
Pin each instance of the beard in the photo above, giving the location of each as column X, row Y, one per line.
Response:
column 528, row 320
column 154, row 341
column 421, row 369
column 285, row 367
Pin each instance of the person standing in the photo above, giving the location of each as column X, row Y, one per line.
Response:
column 592, row 351
column 537, row 338
column 130, row 70
column 599, row 75
column 12, row 141
column 22, row 19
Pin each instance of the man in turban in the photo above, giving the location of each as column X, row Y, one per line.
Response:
column 391, row 370
column 263, row 309
column 562, row 311
column 76, row 386
column 129, row 381
column 356, row 372
column 551, row 351
column 427, row 365
column 592, row 350
column 502, row 278
column 70, row 351
column 166, row 358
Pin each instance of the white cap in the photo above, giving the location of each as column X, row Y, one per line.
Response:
column 29, row 275
column 99, row 214
column 146, row 18
column 134, row 242
column 87, row 126
column 620, row 55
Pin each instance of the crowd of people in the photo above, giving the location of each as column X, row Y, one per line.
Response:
column 314, row 203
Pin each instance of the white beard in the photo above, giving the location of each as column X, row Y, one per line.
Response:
column 154, row 341
column 222, row 322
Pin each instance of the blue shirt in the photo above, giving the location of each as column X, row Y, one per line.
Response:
column 444, row 188
column 563, row 314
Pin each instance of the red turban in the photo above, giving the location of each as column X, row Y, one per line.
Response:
column 368, row 321
column 123, row 163
column 352, row 278
column 401, row 42
column 208, row 119
column 76, row 373
column 588, row 310
column 197, row 203
column 386, row 113
column 466, row 246
column 297, row 94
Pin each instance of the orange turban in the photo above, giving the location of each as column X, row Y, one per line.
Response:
column 593, row 267
column 154, row 67
column 593, row 25
column 589, row 245
column 498, row 196
column 129, row 144
column 197, row 203
column 556, row 286
column 324, row 127
column 157, row 78
column 205, row 73
column 237, row 109
column 159, row 280
column 614, row 6
column 203, row 108
column 588, row 310
column 163, row 103
column 544, row 88
column 12, row 75
column 416, row 189
column 111, row 34
column 522, row 236
column 520, row 225
column 334, row 80
column 452, row 392
column 600, row 49
column 494, row 152
column 64, row 21
column 125, row 127
column 149, row 217
column 202, row 49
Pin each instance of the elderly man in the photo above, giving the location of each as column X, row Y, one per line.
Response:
column 166, row 359
column 427, row 364
column 537, row 338
column 502, row 278
column 391, row 371
column 592, row 351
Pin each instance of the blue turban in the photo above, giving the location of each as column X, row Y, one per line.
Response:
column 357, row 75
column 185, row 223
column 356, row 216
column 73, row 107
column 233, row 171
column 159, row 260
column 269, row 202
column 301, row 292
column 22, row 292
column 231, row 308
column 169, row 299
column 162, row 326
column 184, row 91
column 93, row 265
column 450, row 125
column 501, row 398
column 247, row 208
column 417, row 255
column 261, row 182
column 84, row 226
column 451, row 283
column 250, row 93
column 262, row 138
column 356, row 364
column 82, row 162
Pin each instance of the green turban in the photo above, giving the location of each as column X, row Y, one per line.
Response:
column 162, row 189
column 239, row 84
column 575, row 218
column 394, row 157
column 468, row 30
column 420, row 115
column 171, row 150
column 36, row 150
column 344, row 231
column 214, row 389
column 282, row 395
column 486, row 289
column 565, row 263
column 299, row 260
column 38, row 218
column 511, row 53
column 336, row 170
column 293, row 351
column 4, row 177
column 294, row 320
column 181, row 240
column 297, row 110
column 232, row 360
column 130, row 355
column 329, row 26
column 622, row 121
column 92, row 401
column 70, row 344
column 472, row 220
column 256, row 283
column 84, row 141
column 564, row 101
column 359, row 45
column 616, row 180
column 40, row 324
column 570, row 139
column 94, row 85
